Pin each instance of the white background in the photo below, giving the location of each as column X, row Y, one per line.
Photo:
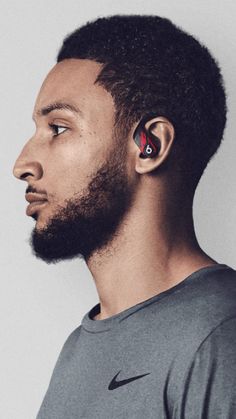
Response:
column 41, row 304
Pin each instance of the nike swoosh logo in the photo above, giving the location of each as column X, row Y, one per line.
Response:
column 115, row 384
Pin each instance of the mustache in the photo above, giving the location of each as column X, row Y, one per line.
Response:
column 34, row 190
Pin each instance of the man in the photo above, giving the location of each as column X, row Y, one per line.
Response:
column 126, row 123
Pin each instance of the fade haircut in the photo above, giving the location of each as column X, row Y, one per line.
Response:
column 151, row 66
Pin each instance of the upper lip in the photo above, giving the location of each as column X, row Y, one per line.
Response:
column 35, row 197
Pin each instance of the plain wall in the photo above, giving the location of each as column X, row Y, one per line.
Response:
column 41, row 304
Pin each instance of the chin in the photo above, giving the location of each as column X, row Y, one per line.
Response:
column 42, row 219
column 41, row 222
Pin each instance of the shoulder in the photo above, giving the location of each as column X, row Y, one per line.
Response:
column 219, row 344
column 193, row 312
column 215, row 285
column 69, row 347
column 201, row 302
column 211, row 298
column 213, row 295
column 209, row 384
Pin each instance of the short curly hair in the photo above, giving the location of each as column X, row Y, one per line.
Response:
column 151, row 66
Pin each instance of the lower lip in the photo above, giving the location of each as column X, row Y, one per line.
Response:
column 35, row 206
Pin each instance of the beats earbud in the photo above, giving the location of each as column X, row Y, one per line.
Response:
column 148, row 143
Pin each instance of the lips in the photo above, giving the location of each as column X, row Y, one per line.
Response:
column 36, row 201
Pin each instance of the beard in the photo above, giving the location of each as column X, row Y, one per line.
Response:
column 88, row 223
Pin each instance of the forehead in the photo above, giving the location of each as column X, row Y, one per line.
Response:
column 72, row 81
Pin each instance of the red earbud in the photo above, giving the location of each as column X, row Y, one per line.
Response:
column 148, row 143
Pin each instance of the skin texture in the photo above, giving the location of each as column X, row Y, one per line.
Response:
column 88, row 220
column 149, row 243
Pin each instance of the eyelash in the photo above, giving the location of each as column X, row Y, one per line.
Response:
column 55, row 127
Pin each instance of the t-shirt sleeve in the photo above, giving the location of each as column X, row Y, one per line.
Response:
column 209, row 390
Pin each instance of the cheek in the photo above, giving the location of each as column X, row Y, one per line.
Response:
column 68, row 170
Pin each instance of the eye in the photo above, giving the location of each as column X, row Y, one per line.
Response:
column 57, row 129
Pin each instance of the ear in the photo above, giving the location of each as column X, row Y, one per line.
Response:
column 162, row 128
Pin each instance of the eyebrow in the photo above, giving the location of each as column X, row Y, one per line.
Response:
column 57, row 106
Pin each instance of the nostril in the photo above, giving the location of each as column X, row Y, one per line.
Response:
column 23, row 170
column 25, row 175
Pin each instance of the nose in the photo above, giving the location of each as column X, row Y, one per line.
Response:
column 27, row 166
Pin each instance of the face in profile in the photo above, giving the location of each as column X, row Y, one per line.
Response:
column 78, row 186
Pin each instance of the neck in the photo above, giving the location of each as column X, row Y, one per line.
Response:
column 148, row 255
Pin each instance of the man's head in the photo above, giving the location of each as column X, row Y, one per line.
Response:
column 111, row 74
column 150, row 66
column 74, row 164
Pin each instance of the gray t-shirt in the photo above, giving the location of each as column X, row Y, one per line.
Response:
column 171, row 356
